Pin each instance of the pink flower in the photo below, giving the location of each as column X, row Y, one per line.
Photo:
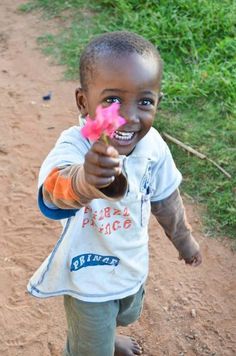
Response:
column 106, row 122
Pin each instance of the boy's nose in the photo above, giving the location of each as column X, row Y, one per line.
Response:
column 130, row 115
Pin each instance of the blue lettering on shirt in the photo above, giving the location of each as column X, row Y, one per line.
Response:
column 91, row 259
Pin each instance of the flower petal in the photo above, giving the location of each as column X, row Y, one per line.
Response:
column 107, row 120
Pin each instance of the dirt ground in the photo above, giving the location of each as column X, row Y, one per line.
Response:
column 187, row 311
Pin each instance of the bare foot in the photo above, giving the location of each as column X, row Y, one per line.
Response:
column 126, row 346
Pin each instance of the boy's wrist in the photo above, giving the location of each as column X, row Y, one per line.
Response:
column 117, row 188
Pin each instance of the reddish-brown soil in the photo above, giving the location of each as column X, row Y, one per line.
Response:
column 188, row 311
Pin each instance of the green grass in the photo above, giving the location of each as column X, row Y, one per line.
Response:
column 197, row 43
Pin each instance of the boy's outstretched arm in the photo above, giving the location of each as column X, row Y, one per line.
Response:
column 76, row 185
column 170, row 214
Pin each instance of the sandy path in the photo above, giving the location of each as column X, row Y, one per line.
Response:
column 29, row 127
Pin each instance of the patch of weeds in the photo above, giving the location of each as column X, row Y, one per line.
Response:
column 27, row 7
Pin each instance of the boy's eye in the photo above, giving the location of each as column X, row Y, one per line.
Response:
column 112, row 99
column 146, row 102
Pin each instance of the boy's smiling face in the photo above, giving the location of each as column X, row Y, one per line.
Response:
column 133, row 81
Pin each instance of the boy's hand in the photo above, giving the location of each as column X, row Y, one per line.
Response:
column 194, row 261
column 101, row 165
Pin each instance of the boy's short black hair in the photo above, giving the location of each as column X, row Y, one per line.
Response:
column 116, row 43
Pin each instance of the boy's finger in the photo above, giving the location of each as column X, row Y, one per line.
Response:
column 99, row 182
column 101, row 160
column 101, row 148
column 101, row 171
column 197, row 261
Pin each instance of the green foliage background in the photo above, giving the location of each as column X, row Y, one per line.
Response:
column 196, row 39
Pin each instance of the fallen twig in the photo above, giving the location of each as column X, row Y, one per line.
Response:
column 196, row 153
column 219, row 167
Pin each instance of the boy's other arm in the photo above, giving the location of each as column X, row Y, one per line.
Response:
column 170, row 214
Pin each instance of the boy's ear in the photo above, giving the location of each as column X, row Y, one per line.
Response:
column 81, row 101
column 160, row 97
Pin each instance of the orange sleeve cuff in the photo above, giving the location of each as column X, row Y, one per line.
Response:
column 59, row 187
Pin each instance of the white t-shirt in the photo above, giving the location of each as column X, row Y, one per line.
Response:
column 102, row 253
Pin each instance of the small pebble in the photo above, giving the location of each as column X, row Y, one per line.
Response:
column 193, row 313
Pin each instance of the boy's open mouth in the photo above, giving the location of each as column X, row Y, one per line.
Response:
column 123, row 136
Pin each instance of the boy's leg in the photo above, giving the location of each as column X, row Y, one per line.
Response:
column 91, row 327
column 130, row 309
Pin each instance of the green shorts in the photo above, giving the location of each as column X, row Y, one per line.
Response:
column 92, row 326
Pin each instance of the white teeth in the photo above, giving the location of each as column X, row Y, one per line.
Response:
column 121, row 135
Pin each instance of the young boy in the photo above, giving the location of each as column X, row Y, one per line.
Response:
column 103, row 193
